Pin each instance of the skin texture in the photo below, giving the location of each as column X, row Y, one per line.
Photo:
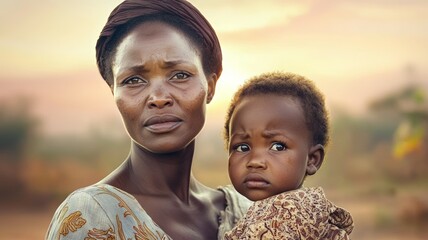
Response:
column 270, row 148
column 161, row 92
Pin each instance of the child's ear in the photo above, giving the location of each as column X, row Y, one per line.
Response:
column 315, row 159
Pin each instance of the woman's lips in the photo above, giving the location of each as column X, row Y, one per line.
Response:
column 255, row 181
column 162, row 123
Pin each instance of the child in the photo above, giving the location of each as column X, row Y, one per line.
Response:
column 276, row 131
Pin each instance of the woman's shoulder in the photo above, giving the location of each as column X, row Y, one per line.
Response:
column 98, row 193
column 104, row 197
column 101, row 210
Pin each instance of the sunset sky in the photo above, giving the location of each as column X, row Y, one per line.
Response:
column 355, row 51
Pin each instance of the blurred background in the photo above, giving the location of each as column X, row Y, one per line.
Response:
column 60, row 130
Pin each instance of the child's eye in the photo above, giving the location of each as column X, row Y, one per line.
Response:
column 242, row 148
column 277, row 146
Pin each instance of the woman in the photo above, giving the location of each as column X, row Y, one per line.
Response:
column 161, row 60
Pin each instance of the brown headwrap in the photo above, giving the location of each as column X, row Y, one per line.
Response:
column 181, row 9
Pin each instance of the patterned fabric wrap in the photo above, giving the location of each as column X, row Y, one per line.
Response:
column 301, row 214
column 179, row 9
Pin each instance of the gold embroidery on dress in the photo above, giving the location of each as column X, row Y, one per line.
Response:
column 61, row 217
column 142, row 231
column 121, row 203
column 120, row 229
column 71, row 223
column 98, row 234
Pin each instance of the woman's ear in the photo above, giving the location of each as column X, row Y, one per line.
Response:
column 212, row 81
column 315, row 159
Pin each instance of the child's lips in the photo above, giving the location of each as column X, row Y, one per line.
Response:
column 254, row 180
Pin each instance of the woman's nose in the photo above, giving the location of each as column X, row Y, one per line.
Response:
column 160, row 102
column 160, row 98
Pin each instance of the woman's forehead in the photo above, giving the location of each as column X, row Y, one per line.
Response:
column 155, row 41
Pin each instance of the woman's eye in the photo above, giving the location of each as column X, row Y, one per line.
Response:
column 181, row 75
column 278, row 146
column 133, row 80
column 242, row 148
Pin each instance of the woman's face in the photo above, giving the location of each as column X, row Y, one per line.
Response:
column 160, row 87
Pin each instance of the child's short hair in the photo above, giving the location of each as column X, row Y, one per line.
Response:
column 295, row 86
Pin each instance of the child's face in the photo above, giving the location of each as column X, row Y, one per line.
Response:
column 269, row 146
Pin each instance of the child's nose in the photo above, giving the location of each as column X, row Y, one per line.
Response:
column 257, row 161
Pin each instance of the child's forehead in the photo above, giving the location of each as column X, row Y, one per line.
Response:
column 268, row 106
column 268, row 116
column 277, row 97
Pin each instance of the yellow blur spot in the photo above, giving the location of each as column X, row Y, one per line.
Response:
column 408, row 139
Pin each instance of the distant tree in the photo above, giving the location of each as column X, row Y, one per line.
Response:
column 17, row 130
column 17, row 127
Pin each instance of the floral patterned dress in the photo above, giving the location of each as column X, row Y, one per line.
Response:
column 102, row 211
column 301, row 214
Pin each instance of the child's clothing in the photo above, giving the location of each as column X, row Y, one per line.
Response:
column 301, row 214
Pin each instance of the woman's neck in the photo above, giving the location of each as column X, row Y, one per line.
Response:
column 161, row 174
